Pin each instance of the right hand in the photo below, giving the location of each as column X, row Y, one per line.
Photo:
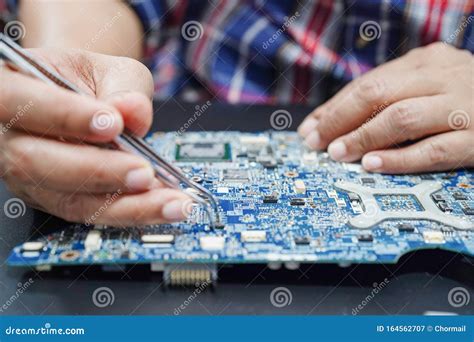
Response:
column 44, row 158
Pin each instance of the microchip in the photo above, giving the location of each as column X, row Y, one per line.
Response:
column 459, row 196
column 235, row 176
column 405, row 228
column 468, row 211
column 302, row 240
column 297, row 201
column 203, row 152
column 426, row 177
column 270, row 199
column 444, row 207
column 438, row 198
column 353, row 197
column 367, row 180
column 365, row 238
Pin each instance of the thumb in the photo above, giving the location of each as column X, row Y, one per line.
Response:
column 127, row 85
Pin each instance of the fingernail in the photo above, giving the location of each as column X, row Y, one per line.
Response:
column 337, row 150
column 372, row 162
column 313, row 140
column 174, row 210
column 105, row 123
column 140, row 179
column 307, row 126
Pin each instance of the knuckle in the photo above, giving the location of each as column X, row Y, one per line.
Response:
column 372, row 90
column 19, row 159
column 403, row 118
column 364, row 141
column 70, row 207
column 437, row 154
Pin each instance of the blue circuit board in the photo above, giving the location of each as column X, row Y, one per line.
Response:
column 279, row 202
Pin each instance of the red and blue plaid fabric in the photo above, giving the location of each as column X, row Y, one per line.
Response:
column 278, row 51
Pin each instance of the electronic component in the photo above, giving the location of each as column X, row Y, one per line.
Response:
column 300, row 187
column 253, row 236
column 212, row 243
column 93, row 241
column 203, row 152
column 306, row 209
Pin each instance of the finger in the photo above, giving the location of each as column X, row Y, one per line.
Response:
column 136, row 110
column 30, row 104
column 128, row 85
column 116, row 209
column 409, row 119
column 366, row 97
column 64, row 166
column 447, row 151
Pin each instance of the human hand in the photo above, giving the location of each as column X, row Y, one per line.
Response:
column 424, row 97
column 45, row 160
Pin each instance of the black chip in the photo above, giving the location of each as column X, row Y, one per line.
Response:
column 114, row 234
column 302, row 240
column 353, row 197
column 444, row 207
column 270, row 199
column 242, row 155
column 219, row 225
column 405, row 228
column 438, row 198
column 366, row 238
column 426, row 177
column 367, row 180
column 459, row 196
column 268, row 164
column 297, row 201
column 468, row 211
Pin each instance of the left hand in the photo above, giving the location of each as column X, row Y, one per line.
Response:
column 424, row 97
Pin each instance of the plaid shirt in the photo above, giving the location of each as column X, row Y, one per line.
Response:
column 279, row 51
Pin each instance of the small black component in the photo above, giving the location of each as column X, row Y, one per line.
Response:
column 353, row 197
column 459, row 196
column 427, row 177
column 438, row 198
column 405, row 228
column 268, row 164
column 366, row 238
column 219, row 225
column 270, row 199
column 367, row 180
column 302, row 240
column 297, row 201
column 468, row 211
column 114, row 234
column 444, row 207
column 242, row 155
column 125, row 255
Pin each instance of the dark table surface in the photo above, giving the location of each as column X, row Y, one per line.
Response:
column 420, row 282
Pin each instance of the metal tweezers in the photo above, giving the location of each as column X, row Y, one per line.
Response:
column 21, row 60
